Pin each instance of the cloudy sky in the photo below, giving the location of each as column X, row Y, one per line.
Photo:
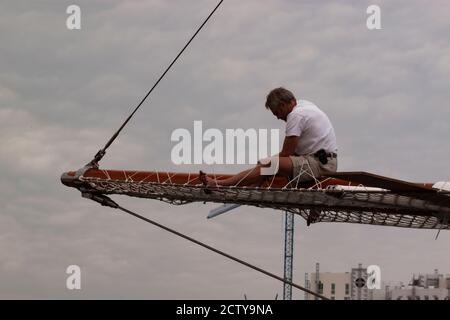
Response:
column 64, row 92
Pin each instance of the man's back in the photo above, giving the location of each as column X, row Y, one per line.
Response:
column 313, row 127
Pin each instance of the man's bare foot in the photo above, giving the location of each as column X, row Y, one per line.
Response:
column 207, row 181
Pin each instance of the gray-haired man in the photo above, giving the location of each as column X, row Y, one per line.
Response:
column 309, row 148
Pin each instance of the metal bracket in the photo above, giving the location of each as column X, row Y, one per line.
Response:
column 98, row 156
column 102, row 199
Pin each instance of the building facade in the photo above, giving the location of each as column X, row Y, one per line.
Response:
column 352, row 285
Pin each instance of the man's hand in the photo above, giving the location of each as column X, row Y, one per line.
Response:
column 270, row 165
column 289, row 145
column 265, row 162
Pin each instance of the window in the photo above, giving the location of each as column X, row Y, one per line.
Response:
column 346, row 298
column 347, row 288
column 332, row 298
column 333, row 288
column 320, row 287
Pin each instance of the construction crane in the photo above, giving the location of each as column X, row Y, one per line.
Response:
column 288, row 244
column 288, row 253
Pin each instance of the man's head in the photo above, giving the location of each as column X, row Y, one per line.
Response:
column 281, row 102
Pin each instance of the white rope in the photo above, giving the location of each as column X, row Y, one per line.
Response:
column 303, row 172
column 248, row 173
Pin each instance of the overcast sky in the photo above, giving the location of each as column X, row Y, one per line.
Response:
column 64, row 92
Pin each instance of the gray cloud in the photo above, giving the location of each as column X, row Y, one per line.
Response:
column 63, row 93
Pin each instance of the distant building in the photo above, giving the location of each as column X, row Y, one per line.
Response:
column 418, row 293
column 337, row 286
column 433, row 286
column 331, row 285
column 358, row 283
column 353, row 286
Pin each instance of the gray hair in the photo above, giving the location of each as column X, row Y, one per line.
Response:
column 277, row 97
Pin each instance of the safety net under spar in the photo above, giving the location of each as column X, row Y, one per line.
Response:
column 326, row 200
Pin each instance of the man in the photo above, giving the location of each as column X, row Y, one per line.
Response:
column 309, row 148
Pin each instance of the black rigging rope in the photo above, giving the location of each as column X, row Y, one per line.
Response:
column 102, row 152
column 106, row 201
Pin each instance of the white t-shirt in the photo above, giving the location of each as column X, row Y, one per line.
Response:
column 313, row 127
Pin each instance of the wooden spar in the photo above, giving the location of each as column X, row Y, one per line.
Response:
column 183, row 178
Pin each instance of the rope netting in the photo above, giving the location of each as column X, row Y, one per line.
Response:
column 319, row 202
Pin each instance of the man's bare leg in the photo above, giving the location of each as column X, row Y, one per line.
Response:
column 248, row 177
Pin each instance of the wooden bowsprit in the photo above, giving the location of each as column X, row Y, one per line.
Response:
column 348, row 197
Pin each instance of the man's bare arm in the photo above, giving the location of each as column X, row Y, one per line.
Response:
column 289, row 145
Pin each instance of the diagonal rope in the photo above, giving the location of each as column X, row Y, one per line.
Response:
column 221, row 253
column 106, row 201
column 102, row 152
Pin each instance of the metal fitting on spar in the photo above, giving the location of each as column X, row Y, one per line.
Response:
column 72, row 178
column 69, row 179
column 102, row 199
